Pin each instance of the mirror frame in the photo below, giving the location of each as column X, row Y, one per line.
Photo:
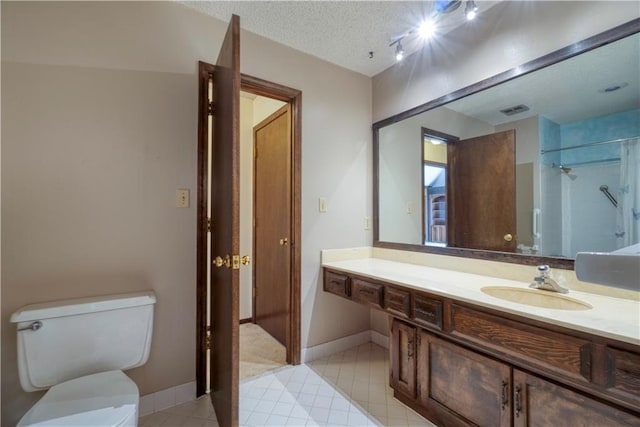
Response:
column 606, row 37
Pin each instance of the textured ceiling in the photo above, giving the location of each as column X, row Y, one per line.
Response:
column 566, row 92
column 340, row 32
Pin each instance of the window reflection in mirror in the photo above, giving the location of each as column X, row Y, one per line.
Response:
column 576, row 125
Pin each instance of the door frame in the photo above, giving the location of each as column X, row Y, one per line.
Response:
column 448, row 139
column 293, row 97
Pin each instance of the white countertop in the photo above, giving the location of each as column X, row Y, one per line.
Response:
column 610, row 317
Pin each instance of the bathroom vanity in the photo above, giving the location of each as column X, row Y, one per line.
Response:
column 462, row 356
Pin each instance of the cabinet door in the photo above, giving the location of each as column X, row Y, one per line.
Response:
column 403, row 360
column 474, row 387
column 537, row 402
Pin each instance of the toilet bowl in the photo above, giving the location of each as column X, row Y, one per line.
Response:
column 77, row 349
column 106, row 399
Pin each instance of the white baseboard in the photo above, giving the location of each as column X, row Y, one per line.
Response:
column 341, row 344
column 380, row 339
column 166, row 398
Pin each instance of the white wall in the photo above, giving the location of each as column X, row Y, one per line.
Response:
column 99, row 128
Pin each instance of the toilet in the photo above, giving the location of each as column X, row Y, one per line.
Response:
column 77, row 349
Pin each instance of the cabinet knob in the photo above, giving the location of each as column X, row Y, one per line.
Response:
column 508, row 237
column 284, row 241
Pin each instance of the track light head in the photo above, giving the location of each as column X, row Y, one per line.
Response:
column 471, row 10
column 399, row 52
column 427, row 29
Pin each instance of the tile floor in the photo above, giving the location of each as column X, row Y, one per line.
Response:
column 345, row 389
column 259, row 351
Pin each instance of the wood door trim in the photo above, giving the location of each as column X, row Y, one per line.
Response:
column 449, row 139
column 294, row 98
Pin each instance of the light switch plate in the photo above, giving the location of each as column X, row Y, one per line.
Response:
column 182, row 198
column 322, row 204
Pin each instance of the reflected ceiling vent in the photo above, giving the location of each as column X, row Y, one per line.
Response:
column 515, row 110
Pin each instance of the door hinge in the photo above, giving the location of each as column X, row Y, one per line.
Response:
column 207, row 340
column 211, row 110
column 254, row 291
column 209, row 224
column 255, row 151
column 235, row 262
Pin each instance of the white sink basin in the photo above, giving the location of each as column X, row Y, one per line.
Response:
column 536, row 298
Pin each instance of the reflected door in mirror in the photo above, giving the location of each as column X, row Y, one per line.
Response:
column 482, row 188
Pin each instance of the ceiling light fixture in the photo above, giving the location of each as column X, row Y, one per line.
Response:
column 399, row 52
column 428, row 27
column 471, row 10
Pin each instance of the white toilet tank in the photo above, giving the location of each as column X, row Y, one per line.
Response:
column 62, row 340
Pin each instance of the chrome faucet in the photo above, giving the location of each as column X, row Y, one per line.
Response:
column 543, row 281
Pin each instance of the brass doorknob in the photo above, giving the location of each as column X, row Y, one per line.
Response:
column 508, row 237
column 245, row 260
column 284, row 241
column 219, row 261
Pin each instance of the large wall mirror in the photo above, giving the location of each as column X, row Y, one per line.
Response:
column 530, row 166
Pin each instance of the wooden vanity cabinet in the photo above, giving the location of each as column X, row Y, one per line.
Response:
column 337, row 284
column 540, row 403
column 460, row 364
column 403, row 358
column 455, row 386
column 458, row 386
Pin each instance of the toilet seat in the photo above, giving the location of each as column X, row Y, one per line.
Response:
column 103, row 399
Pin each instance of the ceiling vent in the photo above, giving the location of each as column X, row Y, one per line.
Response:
column 515, row 110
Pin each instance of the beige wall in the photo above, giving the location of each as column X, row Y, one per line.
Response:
column 99, row 129
column 246, row 203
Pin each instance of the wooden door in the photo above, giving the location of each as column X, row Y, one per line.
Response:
column 540, row 403
column 467, row 384
column 225, row 229
column 481, row 192
column 272, row 223
column 403, row 360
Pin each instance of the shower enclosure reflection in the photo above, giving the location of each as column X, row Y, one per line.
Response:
column 596, row 210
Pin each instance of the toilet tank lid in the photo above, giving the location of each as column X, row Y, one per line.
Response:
column 70, row 307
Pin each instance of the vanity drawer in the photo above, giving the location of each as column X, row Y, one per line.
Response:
column 624, row 374
column 427, row 311
column 563, row 354
column 336, row 283
column 366, row 292
column 397, row 301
